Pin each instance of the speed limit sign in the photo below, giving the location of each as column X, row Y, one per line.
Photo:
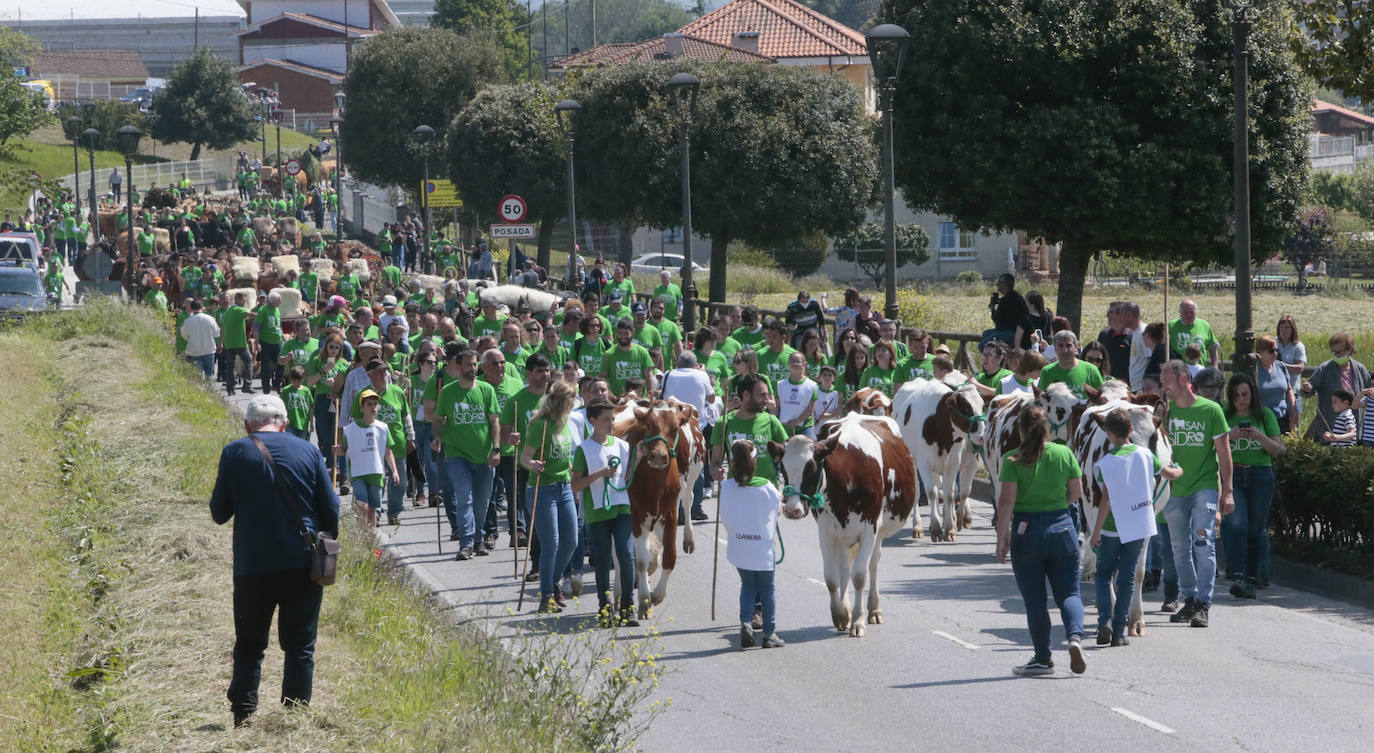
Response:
column 512, row 208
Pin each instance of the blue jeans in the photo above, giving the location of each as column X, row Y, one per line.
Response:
column 368, row 493
column 396, row 493
column 1114, row 557
column 324, row 428
column 398, row 256
column 1242, row 532
column 1005, row 335
column 555, row 521
column 1044, row 546
column 756, row 587
column 613, row 536
column 1161, row 557
column 1192, row 527
column 297, row 602
column 205, row 364
column 424, row 432
column 466, row 496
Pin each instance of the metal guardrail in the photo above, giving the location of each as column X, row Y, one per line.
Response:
column 202, row 173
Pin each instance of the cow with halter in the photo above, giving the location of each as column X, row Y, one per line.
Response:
column 667, row 454
column 869, row 401
column 944, row 428
column 859, row 482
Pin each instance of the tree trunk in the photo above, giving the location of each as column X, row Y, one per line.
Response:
column 624, row 244
column 719, row 244
column 195, row 151
column 545, row 240
column 1073, row 268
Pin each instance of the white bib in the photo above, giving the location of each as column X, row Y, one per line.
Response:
column 599, row 456
column 366, row 448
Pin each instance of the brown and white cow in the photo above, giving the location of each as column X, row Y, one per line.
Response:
column 859, row 482
column 668, row 453
column 943, row 428
column 1062, row 408
column 1091, row 445
column 869, row 401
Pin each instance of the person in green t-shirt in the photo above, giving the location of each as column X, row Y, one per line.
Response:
column 599, row 475
column 882, row 374
column 1188, row 328
column 1199, row 435
column 54, row 282
column 466, row 422
column 628, row 361
column 669, row 294
column 155, row 297
column 620, row 283
column 750, row 421
column 750, row 332
column 546, row 451
column 145, row 241
column 717, row 365
column 989, row 380
column 391, row 274
column 551, row 348
column 667, row 328
column 299, row 401
column 268, row 322
column 589, row 349
column 1035, row 526
column 308, row 283
column 489, row 322
column 347, row 285
column 247, row 239
column 495, row 372
column 1069, row 369
column 645, row 334
column 918, row 363
column 235, row 329
column 1255, row 444
column 774, row 351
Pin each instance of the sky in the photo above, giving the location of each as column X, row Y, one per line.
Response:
column 14, row 10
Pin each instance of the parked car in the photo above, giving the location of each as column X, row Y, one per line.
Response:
column 44, row 90
column 22, row 246
column 21, row 290
column 142, row 96
column 652, row 263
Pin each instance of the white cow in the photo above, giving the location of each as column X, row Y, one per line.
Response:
column 944, row 429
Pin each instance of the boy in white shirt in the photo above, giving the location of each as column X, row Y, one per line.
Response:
column 367, row 442
column 797, row 398
column 827, row 406
column 1027, row 373
column 598, row 476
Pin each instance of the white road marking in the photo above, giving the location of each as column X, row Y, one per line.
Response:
column 820, row 583
column 956, row 641
column 1152, row 724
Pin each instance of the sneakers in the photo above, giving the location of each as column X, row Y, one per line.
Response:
column 1186, row 613
column 532, row 576
column 746, row 636
column 393, row 520
column 464, row 554
column 757, row 622
column 773, row 641
column 627, row 617
column 1243, row 589
column 1199, row 618
column 1169, row 606
column 560, row 599
column 1104, row 635
column 454, row 536
column 548, row 605
column 1076, row 662
column 481, row 551
column 698, row 515
column 1120, row 640
column 1034, row 668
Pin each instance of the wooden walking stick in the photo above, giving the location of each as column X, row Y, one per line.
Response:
column 715, row 560
column 534, row 514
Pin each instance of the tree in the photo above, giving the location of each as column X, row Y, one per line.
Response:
column 21, row 110
column 778, row 153
column 1362, row 192
column 1099, row 124
column 405, row 78
column 867, row 245
column 507, row 141
column 852, row 13
column 504, row 22
column 1334, row 43
column 1312, row 241
column 202, row 105
column 559, row 28
column 1333, row 189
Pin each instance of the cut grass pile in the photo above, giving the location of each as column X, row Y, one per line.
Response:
column 117, row 587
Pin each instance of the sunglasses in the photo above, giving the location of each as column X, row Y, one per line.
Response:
column 1094, row 360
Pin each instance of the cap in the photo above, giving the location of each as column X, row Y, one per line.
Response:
column 369, row 344
column 157, row 280
column 367, row 393
column 389, row 301
column 337, row 302
column 265, row 406
column 617, row 294
column 638, row 308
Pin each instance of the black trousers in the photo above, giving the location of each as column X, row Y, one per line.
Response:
column 269, row 368
column 297, row 601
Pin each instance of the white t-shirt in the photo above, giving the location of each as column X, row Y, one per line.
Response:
column 691, row 386
column 750, row 517
column 1010, row 385
column 366, row 448
column 200, row 331
column 826, row 402
column 598, row 456
column 1140, row 358
column 793, row 399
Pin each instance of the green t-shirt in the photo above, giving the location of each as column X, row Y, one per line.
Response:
column 624, row 365
column 307, row 283
column 1042, row 488
column 1246, row 451
column 773, row 363
column 346, row 286
column 145, row 244
column 910, row 368
column 556, row 451
column 391, row 408
column 590, row 354
column 515, row 362
column 589, row 510
column 235, row 333
column 325, row 386
column 53, row 282
column 247, row 236
column 717, row 365
column 298, row 401
column 517, row 411
column 670, row 294
column 484, row 326
column 392, row 274
column 466, row 410
column 730, row 346
column 747, row 339
column 1200, row 332
column 877, row 378
column 557, row 357
column 269, row 325
column 649, row 336
column 505, row 391
column 672, row 334
column 610, row 315
column 626, row 288
column 1082, row 373
column 1191, row 432
column 993, row 380
column 1109, row 525
column 763, row 428
column 300, row 351
column 181, row 318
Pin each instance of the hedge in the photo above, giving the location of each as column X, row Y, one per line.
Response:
column 1324, row 506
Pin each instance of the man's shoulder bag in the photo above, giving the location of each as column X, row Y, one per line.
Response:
column 324, row 550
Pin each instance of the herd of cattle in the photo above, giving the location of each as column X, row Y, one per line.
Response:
column 859, row 478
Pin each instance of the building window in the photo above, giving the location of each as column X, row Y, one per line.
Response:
column 955, row 243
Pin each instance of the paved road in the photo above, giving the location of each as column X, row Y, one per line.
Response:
column 1288, row 672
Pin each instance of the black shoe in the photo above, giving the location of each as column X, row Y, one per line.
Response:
column 481, row 551
column 1186, row 613
column 1199, row 616
column 393, row 520
column 1263, row 582
column 1104, row 635
column 454, row 536
column 248, row 391
column 627, row 617
column 1120, row 640
column 1034, row 668
column 1243, row 589
column 1169, row 606
column 699, row 514
column 241, row 719
column 532, row 576
column 746, row 636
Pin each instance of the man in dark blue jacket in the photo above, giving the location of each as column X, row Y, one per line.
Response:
column 271, row 563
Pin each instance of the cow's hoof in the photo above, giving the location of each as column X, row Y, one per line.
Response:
column 966, row 521
column 1137, row 628
column 688, row 547
column 915, row 532
column 657, row 599
column 841, row 623
column 858, row 630
column 950, row 536
column 875, row 618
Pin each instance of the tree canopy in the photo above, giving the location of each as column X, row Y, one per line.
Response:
column 507, row 141
column 778, row 153
column 560, row 28
column 504, row 22
column 867, row 246
column 21, row 110
column 1101, row 124
column 404, row 78
column 203, row 105
column 1334, row 43
column 1313, row 240
column 852, row 13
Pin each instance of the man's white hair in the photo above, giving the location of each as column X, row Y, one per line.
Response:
column 274, row 298
column 264, row 409
column 489, row 354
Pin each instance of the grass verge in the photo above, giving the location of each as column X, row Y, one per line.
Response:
column 118, row 589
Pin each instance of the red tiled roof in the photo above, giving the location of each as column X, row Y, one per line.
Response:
column 787, row 29
column 98, row 64
column 625, row 52
column 309, row 70
column 1359, row 117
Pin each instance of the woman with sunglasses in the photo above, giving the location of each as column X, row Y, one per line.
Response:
column 1095, row 353
column 847, row 340
column 1294, row 356
column 747, row 362
column 811, row 351
column 1273, row 390
column 424, row 471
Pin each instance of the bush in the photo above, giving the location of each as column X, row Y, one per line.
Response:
column 109, row 116
column 1324, row 506
column 748, row 256
column 969, row 277
column 918, row 310
column 804, row 256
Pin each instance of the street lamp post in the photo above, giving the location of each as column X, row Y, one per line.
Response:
column 424, row 135
column 89, row 109
column 887, row 48
column 126, row 140
column 92, row 139
column 566, row 111
column 683, row 88
column 337, row 122
column 74, row 124
column 1244, row 359
column 281, row 179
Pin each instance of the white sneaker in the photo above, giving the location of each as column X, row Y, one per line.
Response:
column 1076, row 661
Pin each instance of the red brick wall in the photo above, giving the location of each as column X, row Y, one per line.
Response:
column 298, row 90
